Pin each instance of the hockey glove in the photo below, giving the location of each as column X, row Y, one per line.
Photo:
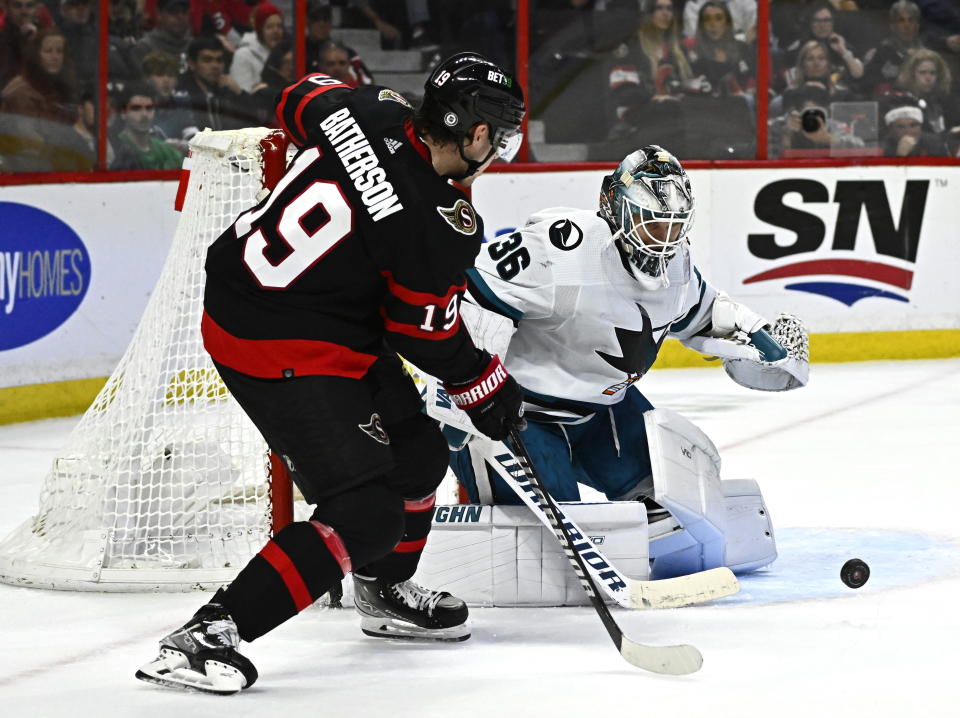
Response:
column 492, row 400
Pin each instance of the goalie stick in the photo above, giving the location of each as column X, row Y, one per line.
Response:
column 625, row 591
column 671, row 660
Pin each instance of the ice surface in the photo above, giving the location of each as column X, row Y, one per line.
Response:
column 863, row 462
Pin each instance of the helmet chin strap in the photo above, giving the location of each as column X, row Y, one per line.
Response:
column 472, row 165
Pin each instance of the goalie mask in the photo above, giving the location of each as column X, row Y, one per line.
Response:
column 648, row 202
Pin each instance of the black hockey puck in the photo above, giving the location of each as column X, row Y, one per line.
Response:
column 855, row 573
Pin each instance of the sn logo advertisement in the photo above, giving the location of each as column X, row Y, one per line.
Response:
column 796, row 251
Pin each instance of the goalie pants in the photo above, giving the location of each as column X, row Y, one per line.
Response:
column 366, row 455
column 608, row 452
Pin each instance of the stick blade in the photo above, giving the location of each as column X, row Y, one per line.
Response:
column 688, row 590
column 668, row 660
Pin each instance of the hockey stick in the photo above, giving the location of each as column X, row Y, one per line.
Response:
column 672, row 660
column 627, row 592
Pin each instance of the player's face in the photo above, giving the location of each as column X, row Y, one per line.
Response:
column 139, row 113
column 51, row 54
column 209, row 66
column 658, row 236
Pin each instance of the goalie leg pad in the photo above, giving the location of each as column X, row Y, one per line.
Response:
column 686, row 480
column 749, row 531
column 503, row 556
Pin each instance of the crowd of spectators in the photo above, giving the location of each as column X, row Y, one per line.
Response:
column 858, row 76
column 685, row 71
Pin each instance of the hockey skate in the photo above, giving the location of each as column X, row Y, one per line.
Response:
column 407, row 610
column 202, row 656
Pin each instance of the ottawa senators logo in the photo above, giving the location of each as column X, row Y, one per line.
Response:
column 374, row 429
column 395, row 96
column 461, row 217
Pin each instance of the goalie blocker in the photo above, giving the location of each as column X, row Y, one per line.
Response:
column 502, row 556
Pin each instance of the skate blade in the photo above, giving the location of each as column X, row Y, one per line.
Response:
column 385, row 627
column 171, row 669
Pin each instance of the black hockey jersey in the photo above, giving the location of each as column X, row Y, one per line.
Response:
column 359, row 250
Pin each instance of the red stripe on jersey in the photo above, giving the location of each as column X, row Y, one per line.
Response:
column 281, row 106
column 302, row 102
column 417, row 332
column 420, row 299
column 424, row 504
column 415, row 141
column 281, row 563
column 305, row 100
column 269, row 358
column 410, row 546
column 335, row 546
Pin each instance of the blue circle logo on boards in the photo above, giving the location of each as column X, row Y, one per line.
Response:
column 44, row 273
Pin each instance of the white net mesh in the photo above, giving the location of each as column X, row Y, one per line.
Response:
column 163, row 483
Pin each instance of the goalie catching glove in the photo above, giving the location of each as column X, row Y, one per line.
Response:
column 492, row 400
column 774, row 360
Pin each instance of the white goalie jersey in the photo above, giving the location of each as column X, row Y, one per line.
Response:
column 589, row 329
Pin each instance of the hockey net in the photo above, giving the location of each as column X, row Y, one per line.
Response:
column 164, row 484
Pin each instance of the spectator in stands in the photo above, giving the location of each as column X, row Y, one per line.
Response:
column 318, row 32
column 79, row 27
column 21, row 21
column 82, row 143
column 806, row 124
column 226, row 20
column 743, row 17
column 277, row 73
column 173, row 113
column 252, row 54
column 813, row 67
column 905, row 136
column 942, row 29
column 138, row 145
column 845, row 68
column 925, row 75
column 882, row 63
column 715, row 55
column 335, row 61
column 172, row 33
column 215, row 99
column 654, row 57
column 123, row 62
column 38, row 105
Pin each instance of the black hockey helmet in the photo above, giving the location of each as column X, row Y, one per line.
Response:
column 467, row 89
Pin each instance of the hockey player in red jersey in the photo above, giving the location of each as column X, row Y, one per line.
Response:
column 358, row 254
